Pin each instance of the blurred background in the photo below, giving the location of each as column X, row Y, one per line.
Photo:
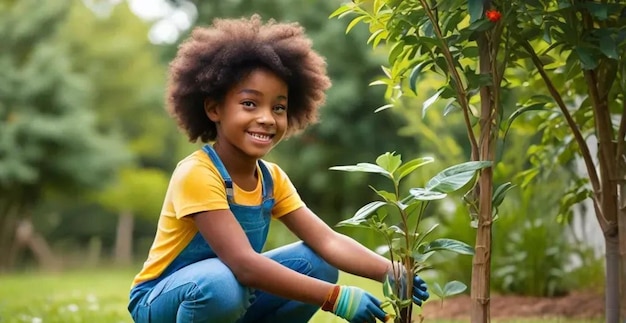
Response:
column 86, row 151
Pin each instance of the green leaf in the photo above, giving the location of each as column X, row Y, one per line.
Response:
column 374, row 35
column 470, row 51
column 389, row 161
column 387, row 196
column 587, row 60
column 527, row 176
column 422, row 194
column 608, row 46
column 522, row 110
column 397, row 229
column 363, row 213
column 455, row 177
column 385, row 81
column 475, row 9
column 437, row 290
column 412, row 207
column 412, row 165
column 415, row 73
column 387, row 290
column 448, row 245
column 500, row 193
column 598, row 10
column 422, row 257
column 453, row 288
column 430, row 102
column 396, row 50
column 354, row 22
column 363, row 168
column 384, row 107
column 346, row 8
column 426, row 234
column 428, row 30
column 450, row 107
column 480, row 25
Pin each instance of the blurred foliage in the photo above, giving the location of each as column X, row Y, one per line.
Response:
column 115, row 54
column 526, row 261
column 49, row 139
column 137, row 190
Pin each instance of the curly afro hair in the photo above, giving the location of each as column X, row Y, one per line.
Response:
column 216, row 58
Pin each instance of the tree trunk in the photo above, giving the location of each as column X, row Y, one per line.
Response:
column 26, row 236
column 124, row 239
column 612, row 280
column 481, row 263
column 621, row 231
column 8, row 224
column 481, row 267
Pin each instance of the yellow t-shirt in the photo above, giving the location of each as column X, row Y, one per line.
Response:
column 196, row 186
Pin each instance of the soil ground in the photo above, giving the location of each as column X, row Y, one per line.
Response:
column 578, row 305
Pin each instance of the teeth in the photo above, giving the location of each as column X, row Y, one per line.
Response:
column 258, row 136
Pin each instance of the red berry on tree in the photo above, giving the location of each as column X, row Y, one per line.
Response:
column 493, row 15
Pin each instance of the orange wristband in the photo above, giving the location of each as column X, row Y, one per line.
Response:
column 329, row 303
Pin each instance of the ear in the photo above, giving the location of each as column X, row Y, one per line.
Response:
column 211, row 111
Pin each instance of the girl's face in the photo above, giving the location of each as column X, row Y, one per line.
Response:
column 253, row 116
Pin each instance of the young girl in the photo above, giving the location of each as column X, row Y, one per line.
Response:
column 244, row 86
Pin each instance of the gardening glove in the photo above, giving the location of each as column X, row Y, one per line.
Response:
column 354, row 304
column 420, row 293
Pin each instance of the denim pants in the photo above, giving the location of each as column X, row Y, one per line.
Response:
column 207, row 292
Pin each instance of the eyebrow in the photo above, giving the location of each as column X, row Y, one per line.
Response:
column 258, row 93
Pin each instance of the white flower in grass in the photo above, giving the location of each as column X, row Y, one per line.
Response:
column 72, row 308
column 91, row 298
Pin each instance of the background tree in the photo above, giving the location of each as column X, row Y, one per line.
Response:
column 49, row 141
column 126, row 69
column 135, row 192
column 577, row 50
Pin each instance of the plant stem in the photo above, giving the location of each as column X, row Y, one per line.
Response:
column 405, row 313
column 423, row 206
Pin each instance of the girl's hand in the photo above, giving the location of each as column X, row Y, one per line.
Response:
column 354, row 304
column 420, row 290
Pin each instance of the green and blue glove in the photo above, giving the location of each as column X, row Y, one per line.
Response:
column 354, row 304
column 420, row 290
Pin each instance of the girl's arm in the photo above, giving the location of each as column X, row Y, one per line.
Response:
column 226, row 237
column 337, row 249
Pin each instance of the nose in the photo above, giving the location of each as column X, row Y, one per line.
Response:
column 266, row 117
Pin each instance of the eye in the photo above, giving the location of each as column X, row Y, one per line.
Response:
column 248, row 104
column 280, row 109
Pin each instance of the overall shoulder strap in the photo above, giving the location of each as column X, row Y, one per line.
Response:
column 268, row 182
column 228, row 183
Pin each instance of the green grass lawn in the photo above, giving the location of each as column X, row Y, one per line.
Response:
column 100, row 295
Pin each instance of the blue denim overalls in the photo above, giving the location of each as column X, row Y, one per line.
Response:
column 198, row 287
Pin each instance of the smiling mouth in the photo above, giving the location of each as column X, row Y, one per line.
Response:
column 261, row 137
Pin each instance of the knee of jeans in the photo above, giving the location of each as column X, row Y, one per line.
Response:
column 320, row 269
column 326, row 272
column 222, row 300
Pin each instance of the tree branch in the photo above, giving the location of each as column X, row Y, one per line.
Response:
column 580, row 140
column 460, row 89
column 622, row 131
